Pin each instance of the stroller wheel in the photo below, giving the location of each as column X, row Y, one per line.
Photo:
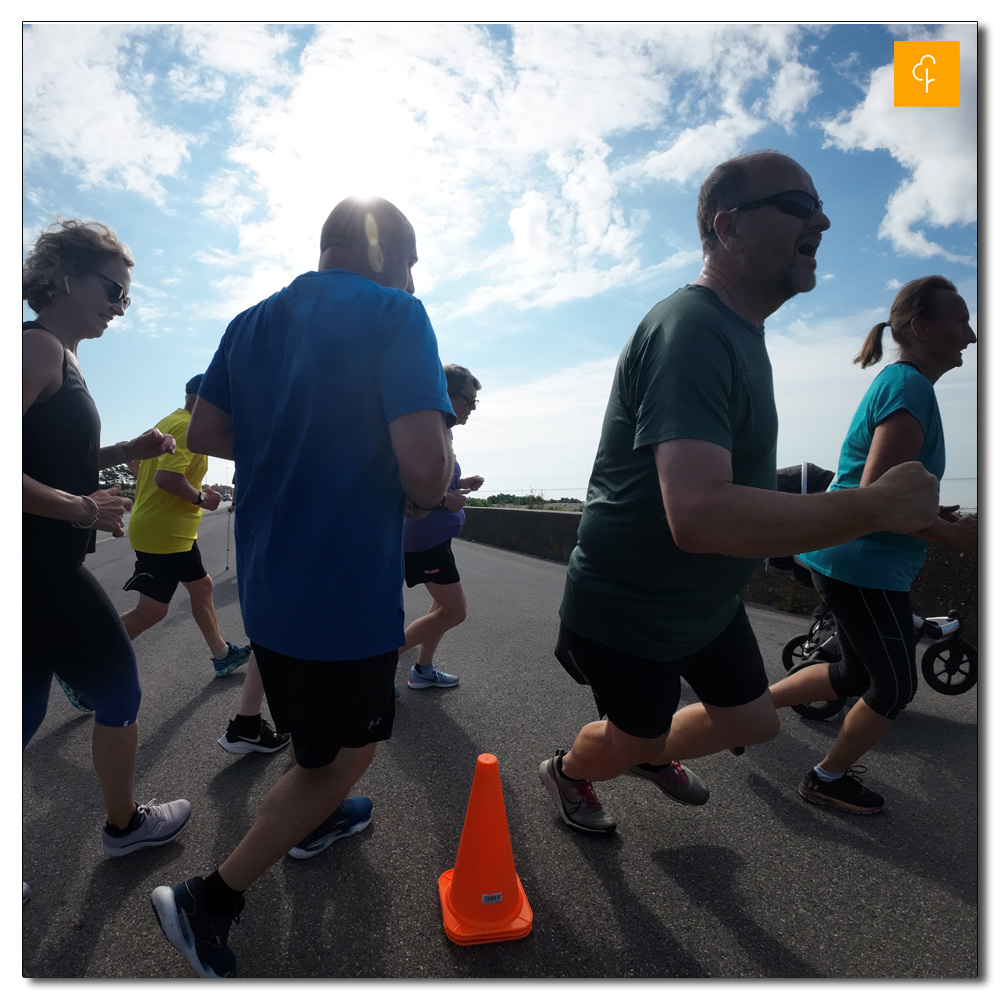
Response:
column 816, row 709
column 950, row 666
column 794, row 651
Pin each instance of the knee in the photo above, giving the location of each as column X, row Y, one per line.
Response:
column 150, row 612
column 200, row 590
column 762, row 728
column 457, row 615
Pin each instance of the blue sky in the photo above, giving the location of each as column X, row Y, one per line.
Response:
column 551, row 172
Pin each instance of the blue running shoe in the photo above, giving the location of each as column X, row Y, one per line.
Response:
column 74, row 696
column 198, row 935
column 425, row 677
column 350, row 817
column 238, row 655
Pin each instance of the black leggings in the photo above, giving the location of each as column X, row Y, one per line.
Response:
column 71, row 628
column 877, row 644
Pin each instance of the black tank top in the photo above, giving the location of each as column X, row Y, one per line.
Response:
column 60, row 447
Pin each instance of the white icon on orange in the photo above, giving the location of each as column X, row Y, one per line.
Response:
column 926, row 79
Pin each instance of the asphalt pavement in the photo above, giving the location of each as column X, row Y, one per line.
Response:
column 757, row 883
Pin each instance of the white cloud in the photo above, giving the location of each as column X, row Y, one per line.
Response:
column 480, row 128
column 936, row 145
column 79, row 110
column 542, row 433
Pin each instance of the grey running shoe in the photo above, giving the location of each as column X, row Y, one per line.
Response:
column 577, row 804
column 845, row 793
column 266, row 740
column 350, row 817
column 674, row 779
column 237, row 656
column 199, row 935
column 432, row 678
column 154, row 826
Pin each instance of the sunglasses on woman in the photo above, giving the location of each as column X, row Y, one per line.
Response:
column 116, row 293
column 801, row 204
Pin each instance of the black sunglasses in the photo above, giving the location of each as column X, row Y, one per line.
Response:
column 801, row 204
column 116, row 293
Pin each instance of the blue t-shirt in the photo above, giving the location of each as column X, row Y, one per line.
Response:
column 883, row 560
column 312, row 377
column 437, row 527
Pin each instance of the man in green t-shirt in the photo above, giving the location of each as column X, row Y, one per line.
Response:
column 681, row 505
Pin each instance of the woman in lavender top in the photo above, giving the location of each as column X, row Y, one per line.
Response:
column 428, row 556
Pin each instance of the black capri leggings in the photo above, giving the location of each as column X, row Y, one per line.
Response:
column 71, row 628
column 877, row 644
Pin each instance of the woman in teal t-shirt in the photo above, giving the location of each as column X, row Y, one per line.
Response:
column 866, row 582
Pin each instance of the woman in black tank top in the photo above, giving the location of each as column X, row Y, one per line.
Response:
column 76, row 279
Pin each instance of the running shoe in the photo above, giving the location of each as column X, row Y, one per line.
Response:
column 74, row 696
column 430, row 677
column 846, row 793
column 350, row 817
column 674, row 779
column 200, row 936
column 238, row 655
column 395, row 691
column 576, row 801
column 152, row 826
column 265, row 740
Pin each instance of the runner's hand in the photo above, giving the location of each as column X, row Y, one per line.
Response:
column 948, row 513
column 910, row 495
column 212, row 499
column 112, row 509
column 455, row 500
column 965, row 534
column 151, row 444
column 471, row 482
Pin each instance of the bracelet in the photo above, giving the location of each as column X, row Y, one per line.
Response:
column 120, row 458
column 95, row 510
column 437, row 506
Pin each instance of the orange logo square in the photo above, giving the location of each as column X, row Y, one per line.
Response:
column 926, row 74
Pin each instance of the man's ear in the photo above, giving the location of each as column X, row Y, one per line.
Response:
column 725, row 229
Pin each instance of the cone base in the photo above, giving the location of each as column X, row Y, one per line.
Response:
column 464, row 931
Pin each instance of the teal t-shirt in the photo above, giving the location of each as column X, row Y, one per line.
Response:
column 693, row 369
column 883, row 560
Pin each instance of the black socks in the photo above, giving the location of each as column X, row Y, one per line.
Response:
column 220, row 898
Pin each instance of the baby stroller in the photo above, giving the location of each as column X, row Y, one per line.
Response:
column 950, row 664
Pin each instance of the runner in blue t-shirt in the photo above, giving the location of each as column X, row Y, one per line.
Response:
column 866, row 582
column 330, row 398
column 428, row 556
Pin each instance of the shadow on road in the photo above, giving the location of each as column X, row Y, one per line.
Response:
column 708, row 876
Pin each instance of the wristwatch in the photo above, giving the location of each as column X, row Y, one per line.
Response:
column 201, row 496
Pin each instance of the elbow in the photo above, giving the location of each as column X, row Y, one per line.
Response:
column 197, row 440
column 688, row 533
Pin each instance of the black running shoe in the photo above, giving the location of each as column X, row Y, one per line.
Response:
column 845, row 793
column 200, row 936
column 266, row 740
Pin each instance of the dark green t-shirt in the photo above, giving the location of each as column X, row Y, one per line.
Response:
column 693, row 369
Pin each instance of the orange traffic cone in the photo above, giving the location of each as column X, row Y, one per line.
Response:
column 482, row 898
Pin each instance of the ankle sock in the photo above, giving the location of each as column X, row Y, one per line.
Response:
column 828, row 775
column 133, row 824
column 222, row 653
column 247, row 725
column 220, row 898
column 426, row 671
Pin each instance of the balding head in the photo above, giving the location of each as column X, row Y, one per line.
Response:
column 362, row 223
column 371, row 237
column 731, row 184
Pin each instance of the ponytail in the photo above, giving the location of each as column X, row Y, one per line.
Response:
column 871, row 349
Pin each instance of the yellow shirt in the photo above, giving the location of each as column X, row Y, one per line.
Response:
column 162, row 522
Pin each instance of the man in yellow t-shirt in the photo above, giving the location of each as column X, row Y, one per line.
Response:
column 163, row 531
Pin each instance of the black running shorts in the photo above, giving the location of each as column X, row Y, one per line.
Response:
column 640, row 696
column 329, row 704
column 157, row 575
column 436, row 565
